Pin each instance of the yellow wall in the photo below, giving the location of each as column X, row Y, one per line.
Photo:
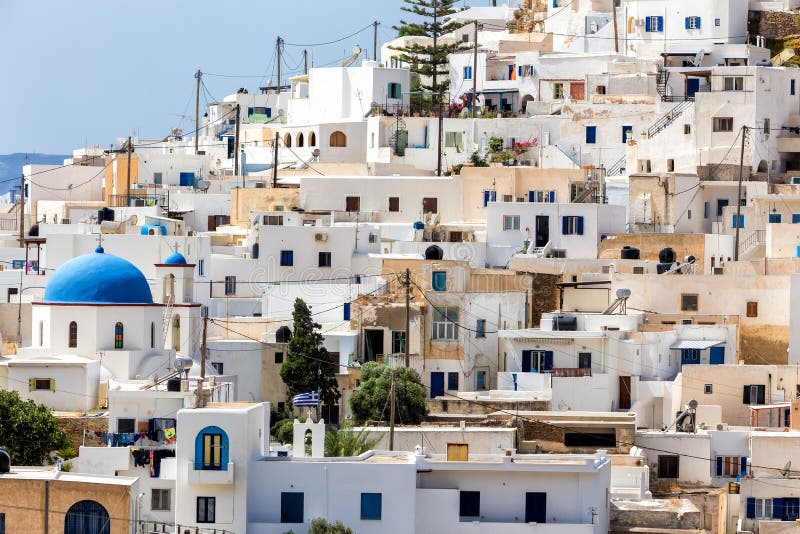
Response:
column 246, row 201
column 122, row 175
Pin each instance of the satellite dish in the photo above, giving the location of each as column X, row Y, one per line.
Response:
column 786, row 469
column 203, row 185
column 623, row 293
column 692, row 404
column 698, row 58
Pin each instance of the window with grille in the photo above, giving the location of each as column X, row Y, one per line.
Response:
column 230, row 285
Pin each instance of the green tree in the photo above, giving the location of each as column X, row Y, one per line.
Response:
column 28, row 431
column 430, row 60
column 309, row 366
column 347, row 442
column 370, row 402
column 321, row 526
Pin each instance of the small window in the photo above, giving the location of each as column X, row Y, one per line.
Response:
column 445, row 322
column 200, row 268
column 480, row 328
column 687, row 129
column 670, row 165
column 600, row 89
column 723, row 124
column 119, row 337
column 668, row 466
column 160, row 499
column 206, row 509
column 708, row 389
column 273, row 220
column 371, row 504
column 791, row 87
column 126, row 426
column 692, row 23
column 654, row 24
column 452, row 381
column 230, row 285
column 291, row 507
column 278, row 357
column 219, row 367
column 510, row 222
column 394, row 204
column 717, row 22
column 287, row 258
column 591, row 135
column 469, row 504
column 638, row 270
column 774, row 218
column 398, row 342
column 730, row 466
column 395, row 91
column 752, row 309
column 767, row 129
column 763, row 508
column 430, row 205
column 558, row 91
column 572, row 225
column 43, row 384
column 480, row 380
column 689, row 302
column 73, row 335
column 158, row 178
column 324, row 259
column 467, row 73
column 439, row 280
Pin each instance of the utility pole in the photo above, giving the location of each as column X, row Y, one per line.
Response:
column 408, row 316
column 204, row 349
column 436, row 91
column 236, row 147
column 391, row 413
column 475, row 72
column 305, row 62
column 21, row 210
column 275, row 160
column 278, row 44
column 130, row 149
column 198, row 76
column 739, row 196
column 375, row 40
column 614, row 15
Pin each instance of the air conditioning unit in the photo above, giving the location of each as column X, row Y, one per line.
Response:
column 260, row 185
column 722, row 426
column 719, row 270
column 320, row 237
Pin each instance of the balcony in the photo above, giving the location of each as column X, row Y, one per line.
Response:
column 216, row 477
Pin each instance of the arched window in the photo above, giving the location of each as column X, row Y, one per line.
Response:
column 211, row 449
column 87, row 516
column 312, row 139
column 338, row 139
column 118, row 336
column 152, row 335
column 73, row 335
column 300, row 139
column 287, row 140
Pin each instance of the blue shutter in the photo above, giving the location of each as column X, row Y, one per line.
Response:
column 531, row 196
column 485, row 198
column 795, row 218
column 548, row 360
column 791, row 87
column 580, row 225
column 751, row 507
column 647, row 26
column 526, row 361
column 519, row 71
column 697, row 22
column 777, row 508
column 249, row 111
column 591, row 135
column 661, row 24
column 687, row 22
column 565, row 225
column 269, row 113
column 719, row 466
column 552, row 197
column 705, row 210
column 743, row 465
column 625, row 130
column 346, row 311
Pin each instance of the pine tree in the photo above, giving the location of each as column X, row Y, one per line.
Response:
column 430, row 60
column 305, row 369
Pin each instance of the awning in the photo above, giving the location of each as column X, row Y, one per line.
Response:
column 696, row 343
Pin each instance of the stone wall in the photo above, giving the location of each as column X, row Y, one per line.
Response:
column 773, row 24
column 763, row 344
column 74, row 427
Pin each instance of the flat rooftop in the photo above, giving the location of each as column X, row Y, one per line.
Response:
column 50, row 473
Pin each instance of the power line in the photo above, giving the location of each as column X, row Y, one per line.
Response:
column 310, row 45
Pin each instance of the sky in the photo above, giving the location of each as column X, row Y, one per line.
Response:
column 86, row 72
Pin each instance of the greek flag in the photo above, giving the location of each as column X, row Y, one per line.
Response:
column 306, row 399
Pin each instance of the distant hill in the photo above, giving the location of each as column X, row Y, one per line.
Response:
column 11, row 167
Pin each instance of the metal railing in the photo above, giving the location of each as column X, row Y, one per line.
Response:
column 669, row 117
column 755, row 239
column 618, row 167
column 140, row 200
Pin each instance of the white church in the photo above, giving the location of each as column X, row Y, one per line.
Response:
column 98, row 322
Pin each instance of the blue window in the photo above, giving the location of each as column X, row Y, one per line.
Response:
column 467, row 73
column 692, row 23
column 791, row 87
column 480, row 328
column 187, row 178
column 489, row 196
column 571, row 225
column 706, row 208
column 795, row 218
column 287, row 258
column 775, row 218
column 591, row 135
column 627, row 133
column 690, row 356
column 717, row 22
column 371, row 506
column 439, row 281
column 201, row 268
column 480, row 380
column 346, row 315
column 654, row 24
column 211, row 449
column 741, row 221
column 17, row 264
column 452, row 381
column 291, row 507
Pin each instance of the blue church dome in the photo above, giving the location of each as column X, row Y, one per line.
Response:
column 98, row 278
column 176, row 258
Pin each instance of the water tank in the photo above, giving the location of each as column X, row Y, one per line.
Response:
column 667, row 255
column 254, row 252
column 661, row 268
column 434, row 252
column 419, row 225
column 629, row 253
column 33, row 231
column 565, row 322
column 283, row 334
column 108, row 214
column 623, row 293
column 690, row 259
column 183, row 363
column 5, row 462
column 174, row 384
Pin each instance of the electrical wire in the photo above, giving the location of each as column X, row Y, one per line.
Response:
column 339, row 40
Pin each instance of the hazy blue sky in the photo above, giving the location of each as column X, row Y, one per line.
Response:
column 87, row 71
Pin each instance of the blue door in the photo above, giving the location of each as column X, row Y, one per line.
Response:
column 692, row 86
column 187, row 178
column 717, row 355
column 437, row 384
column 526, row 360
column 535, row 507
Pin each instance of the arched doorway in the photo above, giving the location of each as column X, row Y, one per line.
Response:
column 169, row 288
column 763, row 166
column 523, row 104
column 87, row 517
